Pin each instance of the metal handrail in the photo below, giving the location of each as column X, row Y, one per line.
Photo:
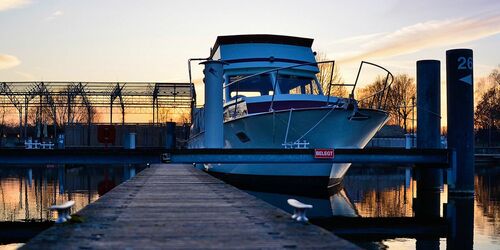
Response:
column 276, row 69
column 192, row 94
column 382, row 96
column 381, row 93
column 359, row 71
column 274, row 91
column 189, row 65
column 330, row 83
column 276, row 79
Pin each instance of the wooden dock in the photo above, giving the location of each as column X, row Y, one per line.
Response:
column 176, row 206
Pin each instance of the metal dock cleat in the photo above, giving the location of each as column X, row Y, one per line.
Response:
column 63, row 211
column 299, row 210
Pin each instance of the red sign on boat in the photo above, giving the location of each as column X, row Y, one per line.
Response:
column 324, row 153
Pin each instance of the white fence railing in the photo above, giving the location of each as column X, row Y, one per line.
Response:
column 38, row 145
column 409, row 141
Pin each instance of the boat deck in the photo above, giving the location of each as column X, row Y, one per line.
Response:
column 176, row 206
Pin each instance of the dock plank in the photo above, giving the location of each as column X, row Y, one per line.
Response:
column 176, row 206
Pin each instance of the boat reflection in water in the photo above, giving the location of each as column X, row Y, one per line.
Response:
column 381, row 208
column 336, row 205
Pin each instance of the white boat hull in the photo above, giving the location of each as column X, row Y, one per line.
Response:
column 320, row 127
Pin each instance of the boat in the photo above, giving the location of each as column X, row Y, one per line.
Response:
column 273, row 99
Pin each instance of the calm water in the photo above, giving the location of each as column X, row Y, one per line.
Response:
column 27, row 192
column 392, row 192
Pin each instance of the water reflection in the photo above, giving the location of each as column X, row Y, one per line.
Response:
column 27, row 192
column 391, row 192
column 386, row 192
column 336, row 205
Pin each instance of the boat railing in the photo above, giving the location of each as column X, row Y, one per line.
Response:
column 275, row 82
column 377, row 100
column 193, row 92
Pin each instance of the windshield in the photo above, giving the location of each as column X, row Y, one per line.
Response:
column 291, row 84
column 253, row 86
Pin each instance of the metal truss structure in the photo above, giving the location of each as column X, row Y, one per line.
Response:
column 53, row 99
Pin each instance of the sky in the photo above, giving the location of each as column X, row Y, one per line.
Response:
column 151, row 40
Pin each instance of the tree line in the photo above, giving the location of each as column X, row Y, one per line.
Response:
column 487, row 112
column 400, row 101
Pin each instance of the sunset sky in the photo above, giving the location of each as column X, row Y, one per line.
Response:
column 150, row 40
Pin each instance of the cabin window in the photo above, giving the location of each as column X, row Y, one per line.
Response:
column 297, row 85
column 254, row 86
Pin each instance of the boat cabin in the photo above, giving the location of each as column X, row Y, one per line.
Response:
column 253, row 85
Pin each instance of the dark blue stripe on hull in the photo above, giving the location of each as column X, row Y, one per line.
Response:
column 260, row 107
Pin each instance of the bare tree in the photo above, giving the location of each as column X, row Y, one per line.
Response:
column 398, row 101
column 80, row 113
column 325, row 74
column 365, row 94
column 486, row 83
column 61, row 110
column 401, row 99
column 495, row 75
column 487, row 112
column 178, row 115
column 2, row 122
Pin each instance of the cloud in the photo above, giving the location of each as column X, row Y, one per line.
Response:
column 55, row 15
column 430, row 34
column 12, row 4
column 357, row 39
column 8, row 61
